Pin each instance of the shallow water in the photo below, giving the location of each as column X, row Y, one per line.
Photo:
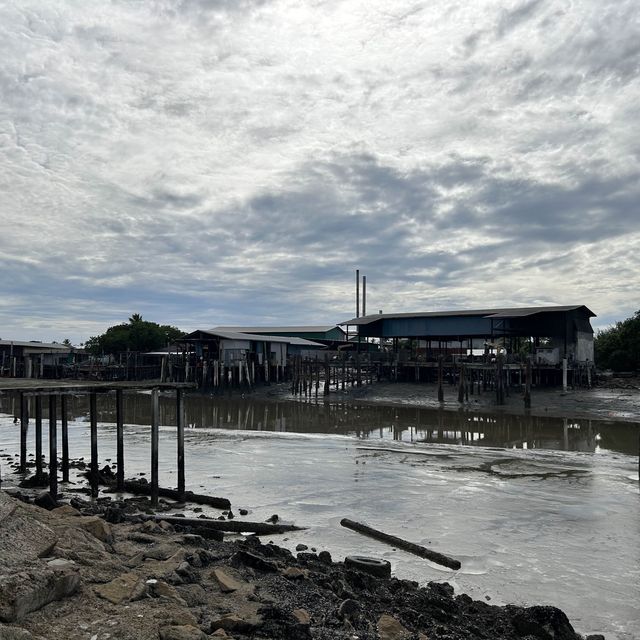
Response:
column 539, row 510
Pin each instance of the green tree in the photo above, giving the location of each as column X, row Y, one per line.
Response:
column 136, row 335
column 618, row 347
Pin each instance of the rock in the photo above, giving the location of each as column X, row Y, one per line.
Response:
column 390, row 629
column 181, row 632
column 24, row 539
column 302, row 616
column 61, row 563
column 232, row 622
column 325, row 556
column 243, row 512
column 65, row 510
column 593, row 636
column 254, row 561
column 45, row 501
column 193, row 594
column 127, row 587
column 161, row 589
column 14, row 633
column 225, row 581
column 96, row 526
column 294, row 573
column 219, row 633
column 161, row 551
column 274, row 518
column 7, row 506
column 301, row 547
column 546, row 623
column 31, row 589
column 349, row 609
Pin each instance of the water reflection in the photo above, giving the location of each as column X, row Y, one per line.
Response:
column 365, row 421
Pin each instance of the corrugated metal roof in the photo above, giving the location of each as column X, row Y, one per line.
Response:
column 293, row 329
column 486, row 313
column 36, row 345
column 235, row 335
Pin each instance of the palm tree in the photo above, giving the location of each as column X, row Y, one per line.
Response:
column 135, row 318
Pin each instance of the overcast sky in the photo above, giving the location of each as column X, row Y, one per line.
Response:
column 217, row 162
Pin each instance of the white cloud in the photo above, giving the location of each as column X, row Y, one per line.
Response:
column 226, row 162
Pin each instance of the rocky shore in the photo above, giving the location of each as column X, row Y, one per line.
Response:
column 97, row 571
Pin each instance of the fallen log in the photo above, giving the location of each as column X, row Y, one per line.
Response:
column 233, row 526
column 141, row 488
column 405, row 545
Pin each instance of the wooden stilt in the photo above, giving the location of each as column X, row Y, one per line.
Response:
column 527, row 385
column 24, row 428
column 155, row 441
column 38, row 401
column 119, row 440
column 64, row 419
column 440, row 389
column 180, row 429
column 53, row 448
column 93, row 421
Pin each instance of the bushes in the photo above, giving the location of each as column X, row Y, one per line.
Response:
column 618, row 347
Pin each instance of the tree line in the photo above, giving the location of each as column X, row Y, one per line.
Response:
column 618, row 347
column 136, row 335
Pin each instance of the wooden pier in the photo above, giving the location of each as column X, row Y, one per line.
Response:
column 56, row 390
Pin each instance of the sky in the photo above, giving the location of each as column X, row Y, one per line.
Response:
column 230, row 162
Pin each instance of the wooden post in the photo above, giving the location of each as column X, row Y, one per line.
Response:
column 53, row 448
column 564, row 374
column 344, row 370
column 119, row 440
column 39, row 438
column 527, row 385
column 499, row 381
column 64, row 419
column 93, row 421
column 461, row 384
column 440, row 389
column 24, row 428
column 155, row 440
column 180, row 428
column 327, row 374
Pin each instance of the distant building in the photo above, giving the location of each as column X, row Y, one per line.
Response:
column 231, row 346
column 34, row 359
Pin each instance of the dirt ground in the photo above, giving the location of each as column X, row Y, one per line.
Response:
column 612, row 399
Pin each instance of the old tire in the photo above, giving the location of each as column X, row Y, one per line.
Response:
column 372, row 566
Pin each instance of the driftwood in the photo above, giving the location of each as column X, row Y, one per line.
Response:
column 416, row 549
column 140, row 488
column 233, row 526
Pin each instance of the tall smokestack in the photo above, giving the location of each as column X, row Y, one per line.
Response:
column 357, row 293
column 364, row 295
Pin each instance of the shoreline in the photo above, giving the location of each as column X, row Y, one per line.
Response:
column 619, row 404
column 149, row 580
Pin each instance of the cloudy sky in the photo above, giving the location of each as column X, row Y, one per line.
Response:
column 207, row 162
